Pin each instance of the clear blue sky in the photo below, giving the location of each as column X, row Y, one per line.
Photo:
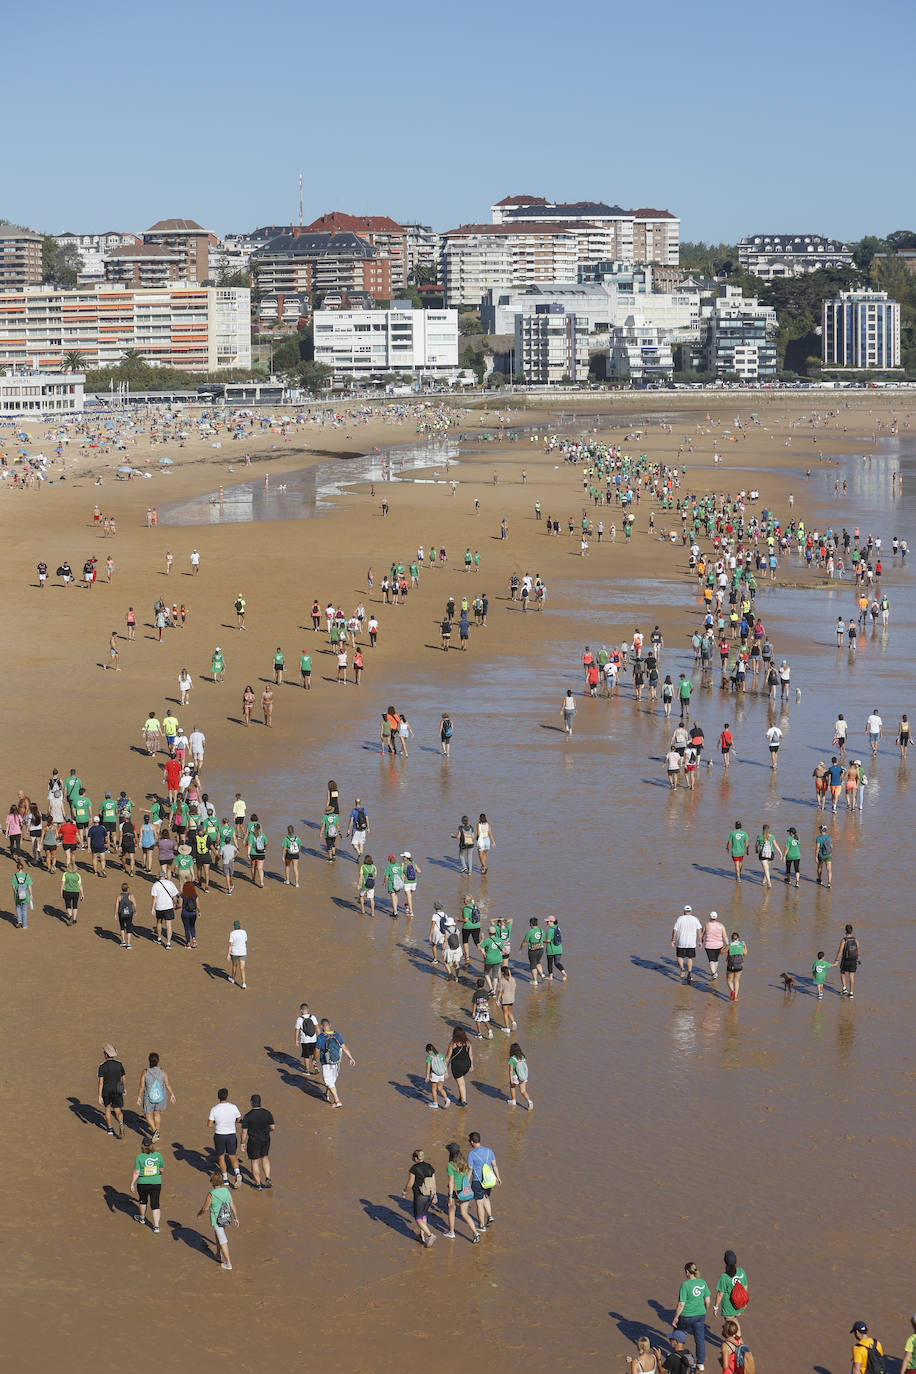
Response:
column 739, row 118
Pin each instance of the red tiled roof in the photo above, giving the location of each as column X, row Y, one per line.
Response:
column 653, row 214
column 143, row 250
column 338, row 220
column 177, row 226
column 522, row 200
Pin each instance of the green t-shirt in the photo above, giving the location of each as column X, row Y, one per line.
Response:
column 305, row 663
column 534, row 938
column 279, row 660
column 738, row 842
column 109, row 810
column 170, row 725
column 216, row 663
column 693, row 1295
column 149, row 1167
column 820, row 968
column 554, row 940
column 22, row 887
column 492, row 952
column 470, row 917
column 793, row 847
column 217, row 1197
column 72, row 787
column 685, row 687
column 764, row 846
column 366, row 871
column 184, row 863
column 71, row 882
column 155, row 813
column 83, row 808
column 291, row 845
column 724, row 1286
column 226, row 833
column 909, row 1353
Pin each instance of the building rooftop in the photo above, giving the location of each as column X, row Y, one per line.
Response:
column 792, row 243
column 10, row 231
column 307, row 245
column 176, row 226
column 526, row 226
column 338, row 220
column 652, row 214
column 579, row 209
column 143, row 250
column 522, row 200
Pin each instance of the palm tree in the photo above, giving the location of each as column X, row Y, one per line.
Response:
column 74, row 360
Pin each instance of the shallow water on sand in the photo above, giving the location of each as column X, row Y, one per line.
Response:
column 669, row 1123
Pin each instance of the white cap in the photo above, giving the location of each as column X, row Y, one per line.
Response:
column 406, row 854
column 688, row 908
column 714, row 915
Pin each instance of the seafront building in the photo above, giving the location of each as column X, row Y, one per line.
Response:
column 385, row 235
column 604, row 231
column 861, row 329
column 26, row 392
column 195, row 328
column 363, row 343
column 738, row 337
column 774, row 256
column 551, row 345
column 298, row 260
column 476, row 257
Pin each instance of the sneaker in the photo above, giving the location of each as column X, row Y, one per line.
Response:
column 449, row 1235
column 169, row 945
column 140, row 1219
column 434, row 1106
column 109, row 1131
column 476, row 1240
column 155, row 1230
column 232, row 980
column 244, row 985
column 530, row 1106
column 510, row 1103
column 267, row 1183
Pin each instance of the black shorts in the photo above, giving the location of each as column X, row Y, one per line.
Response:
column 257, row 1149
column 71, row 901
column 128, row 847
column 714, row 955
column 226, row 1144
column 472, row 934
column 110, row 826
column 848, row 965
column 534, row 957
column 149, row 1193
column 421, row 1205
column 683, row 952
column 126, row 922
column 110, row 1099
column 69, row 848
column 308, row 1048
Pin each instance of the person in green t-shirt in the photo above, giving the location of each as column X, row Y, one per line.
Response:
column 731, row 1275
column 220, row 1204
column 909, row 1350
column 72, row 788
column 533, row 940
column 368, row 873
column 22, row 895
column 736, row 845
column 279, row 665
column 71, row 890
column 737, row 950
column 292, row 846
column 146, row 1182
column 305, row 670
column 819, row 970
column 690, row 1312
column 82, row 814
column 492, row 952
column 554, row 947
column 217, row 664
column 793, row 853
column 470, row 926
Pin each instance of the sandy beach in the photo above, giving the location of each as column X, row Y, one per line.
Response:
column 669, row 1125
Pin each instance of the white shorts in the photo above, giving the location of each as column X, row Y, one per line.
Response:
column 483, row 844
column 358, row 838
column 410, row 887
column 437, row 1078
column 220, row 1233
column 329, row 1073
column 453, row 956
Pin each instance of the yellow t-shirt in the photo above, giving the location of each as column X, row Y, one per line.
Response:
column 909, row 1352
column 238, row 808
column 860, row 1351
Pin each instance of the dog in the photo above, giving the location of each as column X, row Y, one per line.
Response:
column 798, row 694
column 788, row 981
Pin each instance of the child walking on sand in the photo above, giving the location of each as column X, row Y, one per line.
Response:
column 482, row 1010
column 435, row 1076
column 518, row 1075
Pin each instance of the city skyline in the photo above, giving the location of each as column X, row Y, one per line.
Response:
column 425, row 123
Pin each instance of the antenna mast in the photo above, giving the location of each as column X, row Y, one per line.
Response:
column 300, row 200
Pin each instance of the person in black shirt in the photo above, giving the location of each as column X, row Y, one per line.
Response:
column 421, row 1181
column 679, row 1361
column 258, row 1124
column 111, row 1090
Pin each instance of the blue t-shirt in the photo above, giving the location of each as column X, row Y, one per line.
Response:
column 477, row 1158
column 98, row 839
column 835, row 774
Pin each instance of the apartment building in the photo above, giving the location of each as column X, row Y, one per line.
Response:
column 476, row 257
column 189, row 240
column 196, row 328
column 143, row 264
column 20, row 258
column 639, row 353
column 861, row 330
column 24, row 392
column 361, row 343
column 551, row 345
column 298, row 260
column 94, row 249
column 384, row 234
column 774, row 256
column 424, row 248
column 604, row 231
column 280, row 313
column 598, row 305
column 740, row 336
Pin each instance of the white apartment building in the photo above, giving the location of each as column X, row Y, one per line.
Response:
column 740, row 336
column 605, row 231
column 639, row 352
column 182, row 325
column 476, row 257
column 861, row 330
column 423, row 247
column 774, row 256
column 551, row 345
column 25, row 392
column 361, row 343
column 598, row 305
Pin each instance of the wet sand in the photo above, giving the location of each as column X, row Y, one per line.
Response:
column 669, row 1124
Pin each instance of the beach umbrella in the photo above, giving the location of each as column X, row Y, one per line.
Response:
column 167, row 462
column 125, row 468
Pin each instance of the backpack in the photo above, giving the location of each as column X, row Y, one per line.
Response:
column 22, row 886
column 521, row 1070
column 331, row 827
column 224, row 1215
column 744, row 1361
column 362, row 820
column 331, row 1052
column 443, row 922
column 739, row 1295
column 437, row 1064
column 874, row 1360
column 467, row 837
column 410, row 873
column 447, row 730
column 426, row 1186
column 488, row 1178
column 454, row 940
column 851, row 948
column 369, row 882
column 292, row 848
column 309, row 1027
column 555, row 937
column 155, row 1092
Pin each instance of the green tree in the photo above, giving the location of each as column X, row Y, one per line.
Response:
column 227, row 278
column 61, row 264
column 73, row 360
column 708, row 259
column 864, row 251
column 424, row 275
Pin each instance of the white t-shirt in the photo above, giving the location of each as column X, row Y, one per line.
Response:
column 687, row 931
column 181, row 741
column 195, row 559
column 223, row 1118
column 774, row 735
column 227, row 853
column 785, row 673
column 841, row 729
column 673, row 761
column 569, row 703
column 164, row 894
column 238, row 943
column 197, row 740
column 873, row 724
column 185, row 683
column 301, row 1036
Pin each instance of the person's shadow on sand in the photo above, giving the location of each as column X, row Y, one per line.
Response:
column 189, row 1237
column 197, row 1159
column 215, row 972
column 116, row 1201
column 88, row 1114
column 396, row 1221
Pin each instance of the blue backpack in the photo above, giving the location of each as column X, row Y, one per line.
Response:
column 155, row 1092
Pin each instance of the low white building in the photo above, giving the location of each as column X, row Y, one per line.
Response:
column 361, row 343
column 551, row 345
column 40, row 393
column 639, row 352
column 599, row 305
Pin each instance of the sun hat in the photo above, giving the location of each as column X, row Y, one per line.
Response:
column 109, row 1051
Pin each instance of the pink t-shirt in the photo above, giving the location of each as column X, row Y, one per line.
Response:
column 14, row 823
column 715, row 936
